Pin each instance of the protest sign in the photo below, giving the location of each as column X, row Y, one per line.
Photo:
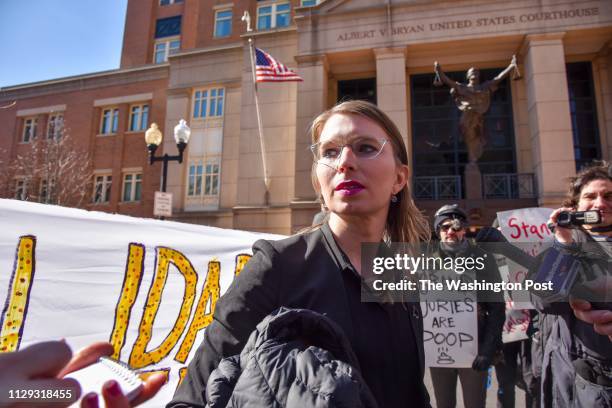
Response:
column 148, row 287
column 527, row 228
column 450, row 327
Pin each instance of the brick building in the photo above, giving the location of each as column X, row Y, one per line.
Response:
column 189, row 59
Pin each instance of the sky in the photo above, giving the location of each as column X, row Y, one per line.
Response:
column 49, row 39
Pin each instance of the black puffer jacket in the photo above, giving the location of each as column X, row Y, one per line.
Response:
column 294, row 358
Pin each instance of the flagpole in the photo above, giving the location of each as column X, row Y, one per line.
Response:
column 262, row 143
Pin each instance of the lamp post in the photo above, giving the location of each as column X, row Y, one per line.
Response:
column 153, row 138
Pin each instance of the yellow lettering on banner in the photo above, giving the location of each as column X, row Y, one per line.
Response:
column 129, row 291
column 241, row 260
column 16, row 307
column 144, row 375
column 139, row 357
column 182, row 374
column 201, row 319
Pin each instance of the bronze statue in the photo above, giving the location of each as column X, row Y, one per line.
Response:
column 474, row 100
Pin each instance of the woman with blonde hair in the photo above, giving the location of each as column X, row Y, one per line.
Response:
column 361, row 172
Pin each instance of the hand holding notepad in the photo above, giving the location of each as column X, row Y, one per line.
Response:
column 93, row 377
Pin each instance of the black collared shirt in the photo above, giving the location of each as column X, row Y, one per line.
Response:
column 383, row 340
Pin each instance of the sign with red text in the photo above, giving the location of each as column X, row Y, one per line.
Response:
column 527, row 228
column 149, row 287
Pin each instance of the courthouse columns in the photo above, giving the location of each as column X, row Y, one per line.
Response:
column 391, row 87
column 550, row 124
column 311, row 101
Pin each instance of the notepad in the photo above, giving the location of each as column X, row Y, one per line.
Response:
column 93, row 377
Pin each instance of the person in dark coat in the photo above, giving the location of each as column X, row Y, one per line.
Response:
column 295, row 357
column 577, row 360
column 450, row 225
column 361, row 171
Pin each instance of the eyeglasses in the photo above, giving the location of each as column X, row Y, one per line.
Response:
column 328, row 152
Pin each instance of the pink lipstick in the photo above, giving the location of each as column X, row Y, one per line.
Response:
column 349, row 187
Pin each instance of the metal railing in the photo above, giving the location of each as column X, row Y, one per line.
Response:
column 508, row 185
column 437, row 188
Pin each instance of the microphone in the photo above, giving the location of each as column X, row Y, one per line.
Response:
column 490, row 235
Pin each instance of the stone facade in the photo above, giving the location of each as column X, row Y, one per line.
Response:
column 331, row 42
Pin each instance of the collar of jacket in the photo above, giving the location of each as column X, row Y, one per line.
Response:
column 338, row 255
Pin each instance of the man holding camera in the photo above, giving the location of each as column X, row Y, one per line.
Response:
column 577, row 365
column 450, row 225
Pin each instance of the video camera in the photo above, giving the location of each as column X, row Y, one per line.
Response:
column 569, row 219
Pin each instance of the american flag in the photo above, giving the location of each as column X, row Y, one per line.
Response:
column 270, row 70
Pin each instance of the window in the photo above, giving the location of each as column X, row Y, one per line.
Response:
column 29, row 129
column 109, row 121
column 45, row 192
column 167, row 2
column 204, row 178
column 195, row 180
column 211, row 179
column 139, row 117
column 132, row 186
column 223, row 23
column 208, row 102
column 166, row 47
column 583, row 112
column 55, row 126
column 364, row 89
column 21, row 189
column 273, row 16
column 102, row 188
column 168, row 27
column 308, row 3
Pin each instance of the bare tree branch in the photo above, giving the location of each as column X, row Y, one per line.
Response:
column 55, row 170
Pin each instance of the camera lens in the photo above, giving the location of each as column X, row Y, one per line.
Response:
column 564, row 218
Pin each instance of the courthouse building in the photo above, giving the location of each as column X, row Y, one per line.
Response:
column 190, row 59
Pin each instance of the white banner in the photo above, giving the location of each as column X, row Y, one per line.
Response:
column 149, row 287
column 526, row 226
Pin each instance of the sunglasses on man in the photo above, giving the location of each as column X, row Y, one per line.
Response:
column 455, row 225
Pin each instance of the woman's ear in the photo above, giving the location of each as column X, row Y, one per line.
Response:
column 402, row 177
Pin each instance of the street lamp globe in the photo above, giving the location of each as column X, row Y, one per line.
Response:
column 153, row 136
column 182, row 132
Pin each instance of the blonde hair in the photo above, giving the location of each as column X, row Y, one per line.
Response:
column 405, row 223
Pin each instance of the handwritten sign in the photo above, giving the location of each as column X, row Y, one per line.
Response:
column 148, row 287
column 450, row 333
column 526, row 227
column 450, row 327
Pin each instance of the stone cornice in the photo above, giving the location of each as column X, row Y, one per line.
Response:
column 312, row 60
column 540, row 39
column 86, row 81
column 389, row 52
column 266, row 33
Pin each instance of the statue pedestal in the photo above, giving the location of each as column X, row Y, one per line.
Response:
column 473, row 182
